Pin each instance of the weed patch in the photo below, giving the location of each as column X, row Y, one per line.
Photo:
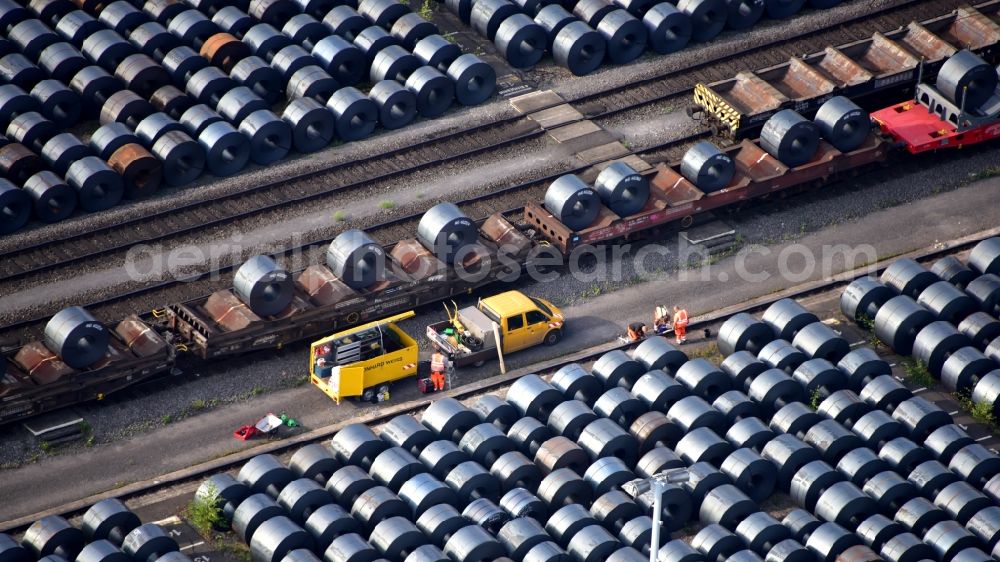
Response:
column 204, row 512
column 982, row 412
column 917, row 373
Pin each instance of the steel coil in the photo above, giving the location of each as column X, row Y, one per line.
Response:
column 257, row 75
column 53, row 200
column 967, row 80
column 474, row 79
column 345, row 21
column 707, row 167
column 233, row 20
column 520, row 40
column 344, row 61
column 790, row 138
column 626, row 36
column 312, row 125
column 842, row 123
column 355, row 114
column 57, row 102
column 16, row 69
column 265, row 41
column 707, row 17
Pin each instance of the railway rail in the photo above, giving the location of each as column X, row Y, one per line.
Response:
column 42, row 255
column 201, row 471
column 478, row 205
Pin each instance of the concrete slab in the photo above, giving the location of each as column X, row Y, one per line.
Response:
column 556, row 116
column 574, row 131
column 709, row 233
column 603, row 152
column 57, row 427
column 536, row 101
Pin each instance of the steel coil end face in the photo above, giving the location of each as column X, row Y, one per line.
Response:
column 264, row 286
column 141, row 172
column 578, row 47
column 790, row 138
column 475, row 80
column 521, row 40
column 15, row 207
column 313, row 126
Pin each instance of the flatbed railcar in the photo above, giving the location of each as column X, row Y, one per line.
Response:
column 893, row 61
column 220, row 325
column 675, row 200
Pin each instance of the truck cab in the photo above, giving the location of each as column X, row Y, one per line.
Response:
column 469, row 337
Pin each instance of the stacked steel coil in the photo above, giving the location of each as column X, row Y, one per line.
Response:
column 109, row 531
column 877, row 473
column 180, row 90
column 945, row 317
column 581, row 35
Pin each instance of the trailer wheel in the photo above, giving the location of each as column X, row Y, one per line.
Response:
column 553, row 337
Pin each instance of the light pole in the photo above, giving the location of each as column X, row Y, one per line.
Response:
column 655, row 484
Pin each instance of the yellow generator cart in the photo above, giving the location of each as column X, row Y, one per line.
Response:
column 358, row 361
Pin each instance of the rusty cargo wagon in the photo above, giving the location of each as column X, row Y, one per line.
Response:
column 675, row 201
column 33, row 379
column 885, row 62
column 221, row 325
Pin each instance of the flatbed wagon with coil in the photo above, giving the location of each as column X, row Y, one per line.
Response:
column 892, row 61
column 674, row 200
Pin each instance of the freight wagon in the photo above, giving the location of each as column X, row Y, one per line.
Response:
column 861, row 70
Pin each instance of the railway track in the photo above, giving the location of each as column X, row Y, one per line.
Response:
column 45, row 255
column 201, row 471
column 393, row 229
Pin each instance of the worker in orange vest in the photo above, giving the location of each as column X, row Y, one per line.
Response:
column 636, row 331
column 439, row 366
column 680, row 324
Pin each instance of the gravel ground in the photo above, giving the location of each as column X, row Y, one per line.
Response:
column 778, row 222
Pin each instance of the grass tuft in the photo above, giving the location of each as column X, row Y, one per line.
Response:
column 815, row 399
column 917, row 373
column 204, row 511
column 982, row 412
column 710, row 352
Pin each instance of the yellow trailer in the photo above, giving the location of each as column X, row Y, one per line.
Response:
column 357, row 361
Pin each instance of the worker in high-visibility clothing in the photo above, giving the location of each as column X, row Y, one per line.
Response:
column 661, row 319
column 680, row 324
column 439, row 366
column 636, row 331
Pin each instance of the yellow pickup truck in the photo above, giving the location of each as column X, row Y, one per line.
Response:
column 356, row 362
column 469, row 336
